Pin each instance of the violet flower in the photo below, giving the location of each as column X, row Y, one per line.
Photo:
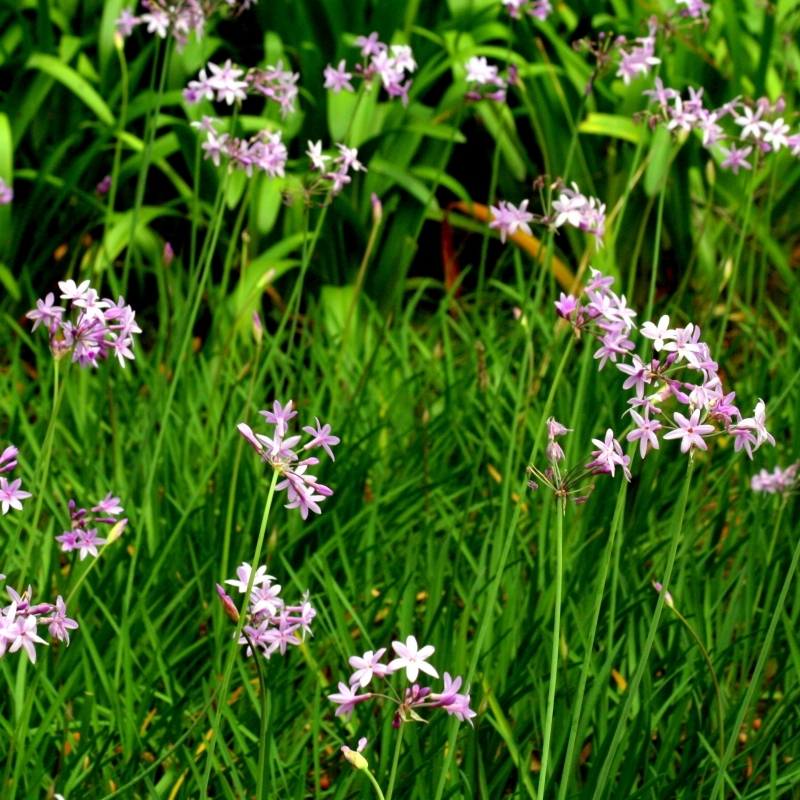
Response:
column 303, row 490
column 84, row 538
column 6, row 193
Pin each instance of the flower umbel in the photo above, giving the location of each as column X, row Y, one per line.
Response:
column 303, row 490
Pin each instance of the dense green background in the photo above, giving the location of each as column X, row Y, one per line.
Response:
column 438, row 402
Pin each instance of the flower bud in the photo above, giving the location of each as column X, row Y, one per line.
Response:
column 356, row 760
column 228, row 605
column 377, row 209
column 667, row 596
column 116, row 531
column 169, row 254
column 258, row 328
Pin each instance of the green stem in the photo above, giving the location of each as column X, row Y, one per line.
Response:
column 551, row 697
column 739, row 249
column 41, row 485
column 494, row 589
column 262, row 732
column 375, row 783
column 587, row 660
column 755, row 680
column 651, row 635
column 235, row 649
column 717, row 690
column 395, row 761
column 226, row 539
column 651, row 293
column 147, row 155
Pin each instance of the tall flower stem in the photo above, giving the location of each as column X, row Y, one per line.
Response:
column 651, row 292
column 147, row 157
column 633, row 688
column 262, row 728
column 737, row 260
column 375, row 783
column 551, row 694
column 494, row 589
column 717, row 690
column 41, row 474
column 234, row 651
column 397, row 748
column 755, row 679
column 587, row 660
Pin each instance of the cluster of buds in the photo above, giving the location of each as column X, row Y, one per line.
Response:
column 100, row 328
column 572, row 208
column 230, row 84
column 20, row 621
column 779, row 481
column 413, row 659
column 303, row 490
column 82, row 536
column 270, row 624
column 484, row 80
column 390, row 64
column 177, row 19
column 11, row 495
column 265, row 151
column 570, row 484
column 540, row 9
column 605, row 316
column 6, row 193
column 760, row 124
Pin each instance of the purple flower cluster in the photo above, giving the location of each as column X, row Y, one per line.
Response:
column 270, row 624
column 6, row 193
column 695, row 9
column 482, row 76
column 100, row 328
column 541, row 9
column 641, row 58
column 230, row 84
column 345, row 161
column 164, row 18
column 389, row 63
column 11, row 495
column 585, row 213
column 760, row 125
column 605, row 316
column 413, row 659
column 779, row 481
column 303, row 490
column 675, row 350
column 569, row 484
column 265, row 151
column 20, row 621
column 82, row 536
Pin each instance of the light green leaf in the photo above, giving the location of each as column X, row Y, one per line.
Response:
column 8, row 280
column 415, row 187
column 616, row 126
column 77, row 84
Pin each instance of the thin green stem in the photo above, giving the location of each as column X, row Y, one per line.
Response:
column 651, row 292
column 737, row 260
column 375, row 783
column 651, row 635
column 755, row 679
column 41, row 485
column 147, row 156
column 235, row 648
column 397, row 748
column 262, row 728
column 587, row 660
column 717, row 690
column 551, row 696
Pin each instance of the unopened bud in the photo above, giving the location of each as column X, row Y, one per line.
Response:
column 228, row 605
column 258, row 328
column 116, row 531
column 667, row 596
column 119, row 41
column 377, row 209
column 169, row 254
column 355, row 759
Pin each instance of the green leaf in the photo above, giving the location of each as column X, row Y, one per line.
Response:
column 434, row 131
column 76, row 83
column 8, row 280
column 656, row 171
column 616, row 126
column 415, row 187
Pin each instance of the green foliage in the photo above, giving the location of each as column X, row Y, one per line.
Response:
column 438, row 394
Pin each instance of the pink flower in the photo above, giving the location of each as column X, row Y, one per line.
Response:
column 645, row 432
column 690, row 431
column 338, row 79
column 412, row 658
